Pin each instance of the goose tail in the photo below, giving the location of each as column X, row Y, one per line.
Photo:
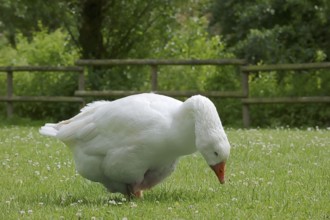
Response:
column 49, row 129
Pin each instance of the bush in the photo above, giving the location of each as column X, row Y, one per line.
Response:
column 44, row 49
column 192, row 41
column 290, row 84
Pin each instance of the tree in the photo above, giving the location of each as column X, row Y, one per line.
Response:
column 280, row 31
column 100, row 28
column 24, row 16
column 274, row 31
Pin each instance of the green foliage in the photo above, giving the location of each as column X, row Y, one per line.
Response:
column 24, row 17
column 44, row 49
column 192, row 41
column 274, row 31
column 290, row 84
column 271, row 31
column 271, row 174
column 262, row 31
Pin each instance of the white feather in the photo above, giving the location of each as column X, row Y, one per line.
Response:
column 136, row 141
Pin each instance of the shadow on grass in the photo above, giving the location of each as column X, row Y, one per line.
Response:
column 162, row 195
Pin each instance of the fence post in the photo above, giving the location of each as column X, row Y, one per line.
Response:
column 245, row 107
column 154, row 80
column 81, row 79
column 10, row 88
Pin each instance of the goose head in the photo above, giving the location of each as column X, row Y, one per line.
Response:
column 215, row 149
column 211, row 140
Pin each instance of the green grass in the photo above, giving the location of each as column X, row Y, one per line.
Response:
column 271, row 174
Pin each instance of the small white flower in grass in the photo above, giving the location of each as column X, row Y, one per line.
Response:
column 37, row 173
column 93, row 218
column 255, row 182
column 30, row 211
column 123, row 200
column 242, row 172
column 269, row 183
column 41, row 203
column 78, row 214
column 234, row 199
column 112, row 202
column 133, row 205
column 124, row 218
column 7, row 202
column 211, row 189
column 169, row 208
column 22, row 212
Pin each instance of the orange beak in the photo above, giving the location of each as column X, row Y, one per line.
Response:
column 219, row 170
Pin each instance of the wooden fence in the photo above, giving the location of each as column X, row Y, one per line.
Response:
column 154, row 64
column 246, row 102
column 242, row 68
column 11, row 97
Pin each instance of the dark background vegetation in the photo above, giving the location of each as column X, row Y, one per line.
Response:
column 59, row 32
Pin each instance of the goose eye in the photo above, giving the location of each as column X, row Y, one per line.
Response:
column 216, row 153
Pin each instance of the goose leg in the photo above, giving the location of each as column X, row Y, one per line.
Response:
column 131, row 192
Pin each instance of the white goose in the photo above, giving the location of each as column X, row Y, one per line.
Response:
column 133, row 143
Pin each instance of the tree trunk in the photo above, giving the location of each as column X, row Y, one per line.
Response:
column 90, row 32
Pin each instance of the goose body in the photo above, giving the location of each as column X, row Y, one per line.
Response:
column 133, row 143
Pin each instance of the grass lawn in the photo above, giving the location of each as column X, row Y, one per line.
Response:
column 271, row 174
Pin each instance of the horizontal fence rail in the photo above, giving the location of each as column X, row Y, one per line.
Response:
column 168, row 93
column 154, row 63
column 287, row 100
column 81, row 69
column 294, row 66
column 10, row 97
column 41, row 99
column 251, row 69
column 117, row 62
column 41, row 69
